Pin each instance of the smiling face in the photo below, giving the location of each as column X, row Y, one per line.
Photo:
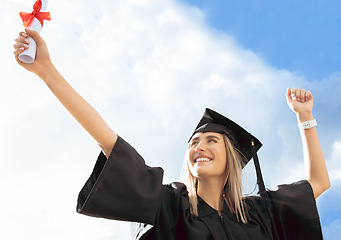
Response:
column 207, row 155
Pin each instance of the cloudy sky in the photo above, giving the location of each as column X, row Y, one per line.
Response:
column 150, row 67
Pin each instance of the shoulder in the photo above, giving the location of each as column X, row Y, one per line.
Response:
column 298, row 187
column 173, row 203
column 293, row 190
column 177, row 188
column 292, row 207
column 174, row 194
column 296, row 191
column 295, row 197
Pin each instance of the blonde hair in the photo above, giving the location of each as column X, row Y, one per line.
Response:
column 232, row 187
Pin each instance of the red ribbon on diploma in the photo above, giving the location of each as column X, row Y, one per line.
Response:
column 27, row 18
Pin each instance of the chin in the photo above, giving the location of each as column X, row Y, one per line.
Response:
column 200, row 174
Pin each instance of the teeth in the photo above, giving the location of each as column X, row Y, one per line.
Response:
column 202, row 160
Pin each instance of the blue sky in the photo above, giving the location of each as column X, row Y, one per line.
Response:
column 301, row 36
column 150, row 67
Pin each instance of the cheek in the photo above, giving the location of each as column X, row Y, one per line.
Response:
column 189, row 156
column 190, row 165
column 224, row 160
column 193, row 170
column 222, row 154
column 221, row 162
column 188, row 159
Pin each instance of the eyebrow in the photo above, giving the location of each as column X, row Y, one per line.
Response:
column 207, row 137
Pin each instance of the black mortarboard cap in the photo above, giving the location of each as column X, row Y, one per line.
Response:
column 245, row 142
column 212, row 121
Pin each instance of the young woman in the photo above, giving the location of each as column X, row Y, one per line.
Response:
column 209, row 204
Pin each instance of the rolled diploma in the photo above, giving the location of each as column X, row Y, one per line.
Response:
column 29, row 55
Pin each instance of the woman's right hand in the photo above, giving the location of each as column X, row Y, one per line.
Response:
column 42, row 60
column 79, row 108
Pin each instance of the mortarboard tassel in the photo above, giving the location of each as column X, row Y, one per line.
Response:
column 262, row 190
column 260, row 182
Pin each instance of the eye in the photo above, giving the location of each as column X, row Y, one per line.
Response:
column 194, row 143
column 212, row 140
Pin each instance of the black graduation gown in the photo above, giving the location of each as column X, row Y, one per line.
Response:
column 124, row 188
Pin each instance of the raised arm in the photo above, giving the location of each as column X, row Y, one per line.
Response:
column 80, row 109
column 301, row 102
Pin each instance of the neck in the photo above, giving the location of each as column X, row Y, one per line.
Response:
column 212, row 193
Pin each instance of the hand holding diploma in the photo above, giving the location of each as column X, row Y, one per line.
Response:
column 33, row 21
column 42, row 59
column 79, row 108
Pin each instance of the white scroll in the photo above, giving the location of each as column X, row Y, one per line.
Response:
column 29, row 55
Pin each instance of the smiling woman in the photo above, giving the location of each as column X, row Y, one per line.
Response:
column 207, row 156
column 223, row 169
column 209, row 204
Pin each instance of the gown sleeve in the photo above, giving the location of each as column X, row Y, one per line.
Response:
column 294, row 211
column 122, row 187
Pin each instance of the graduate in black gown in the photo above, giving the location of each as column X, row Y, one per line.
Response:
column 208, row 204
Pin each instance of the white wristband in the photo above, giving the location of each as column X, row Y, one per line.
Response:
column 307, row 124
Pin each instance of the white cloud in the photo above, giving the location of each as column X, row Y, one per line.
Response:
column 334, row 165
column 149, row 67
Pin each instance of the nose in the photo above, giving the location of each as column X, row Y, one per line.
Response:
column 200, row 147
